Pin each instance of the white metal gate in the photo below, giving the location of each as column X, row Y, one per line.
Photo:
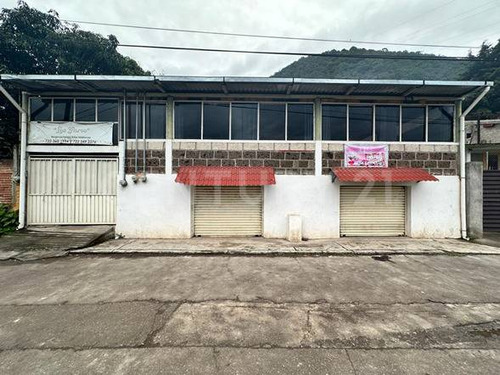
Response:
column 228, row 211
column 372, row 211
column 72, row 190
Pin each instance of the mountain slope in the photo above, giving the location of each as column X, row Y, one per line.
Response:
column 321, row 67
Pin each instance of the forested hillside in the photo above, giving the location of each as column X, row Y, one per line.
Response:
column 321, row 67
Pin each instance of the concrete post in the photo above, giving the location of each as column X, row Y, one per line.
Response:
column 474, row 190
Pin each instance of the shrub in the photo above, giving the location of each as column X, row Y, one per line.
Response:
column 8, row 219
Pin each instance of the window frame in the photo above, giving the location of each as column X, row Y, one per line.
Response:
column 401, row 106
column 230, row 102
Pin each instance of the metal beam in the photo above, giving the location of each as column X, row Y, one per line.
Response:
column 11, row 99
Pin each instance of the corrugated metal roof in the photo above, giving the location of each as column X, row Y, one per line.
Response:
column 242, row 85
column 382, row 175
column 226, row 176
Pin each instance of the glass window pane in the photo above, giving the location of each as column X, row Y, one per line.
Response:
column 156, row 120
column 40, row 109
column 360, row 123
column 440, row 123
column 334, row 122
column 63, row 109
column 300, row 122
column 244, row 121
column 413, row 124
column 187, row 120
column 272, row 122
column 387, row 123
column 85, row 110
column 215, row 120
column 134, row 120
column 107, row 110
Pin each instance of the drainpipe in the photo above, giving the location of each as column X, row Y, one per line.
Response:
column 463, row 219
column 136, row 157
column 144, row 146
column 123, row 148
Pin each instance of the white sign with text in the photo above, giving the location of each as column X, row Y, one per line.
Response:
column 71, row 133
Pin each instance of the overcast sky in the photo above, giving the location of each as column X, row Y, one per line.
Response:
column 455, row 22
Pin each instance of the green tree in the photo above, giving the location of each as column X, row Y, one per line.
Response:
column 487, row 71
column 33, row 42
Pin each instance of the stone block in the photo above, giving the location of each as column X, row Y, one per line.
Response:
column 310, row 146
column 412, row 147
column 176, row 146
column 307, row 155
column 444, row 164
column 235, row 146
column 277, row 155
column 206, row 154
column 188, row 145
column 396, row 147
column 178, row 153
column 431, row 164
column 335, row 147
column 242, row 162
column 250, row 146
column 256, row 163
column 427, row 148
column 396, row 155
column 214, row 163
column 441, row 148
column 249, row 154
column 422, row 155
column 263, row 154
column 292, row 155
column 271, row 163
column 266, row 146
column 235, row 154
column 219, row 154
column 192, row 154
column 228, row 163
column 281, row 146
column 219, row 145
column 200, row 162
column 293, row 171
column 417, row 164
column 409, row 155
column 435, row 155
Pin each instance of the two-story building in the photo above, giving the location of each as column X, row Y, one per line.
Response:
column 175, row 157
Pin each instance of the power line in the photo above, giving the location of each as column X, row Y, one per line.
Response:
column 453, row 19
column 279, row 37
column 419, row 15
column 329, row 55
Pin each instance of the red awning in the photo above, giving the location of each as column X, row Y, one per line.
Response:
column 226, row 176
column 382, row 174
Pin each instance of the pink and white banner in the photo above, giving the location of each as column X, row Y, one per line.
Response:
column 366, row 156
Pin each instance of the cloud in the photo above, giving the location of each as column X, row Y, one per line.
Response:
column 387, row 20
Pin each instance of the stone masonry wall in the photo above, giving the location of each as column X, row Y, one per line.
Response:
column 285, row 158
column 155, row 161
column 437, row 159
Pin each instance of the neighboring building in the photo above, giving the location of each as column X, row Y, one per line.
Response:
column 483, row 145
column 483, row 142
column 6, row 184
column 243, row 156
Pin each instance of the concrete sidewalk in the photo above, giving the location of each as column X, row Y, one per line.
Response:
column 41, row 242
column 275, row 247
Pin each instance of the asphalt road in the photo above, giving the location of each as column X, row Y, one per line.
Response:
column 251, row 315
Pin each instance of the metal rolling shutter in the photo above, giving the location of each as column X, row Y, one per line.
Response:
column 72, row 191
column 228, row 211
column 491, row 201
column 372, row 211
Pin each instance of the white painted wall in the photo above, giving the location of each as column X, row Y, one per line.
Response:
column 159, row 208
column 314, row 198
column 435, row 208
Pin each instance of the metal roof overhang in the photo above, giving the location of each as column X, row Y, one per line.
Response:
column 66, row 84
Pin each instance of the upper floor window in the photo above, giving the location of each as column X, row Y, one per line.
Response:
column 361, row 123
column 243, row 121
column 388, row 123
column 440, row 123
column 334, row 127
column 68, row 109
column 149, row 116
column 413, row 124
